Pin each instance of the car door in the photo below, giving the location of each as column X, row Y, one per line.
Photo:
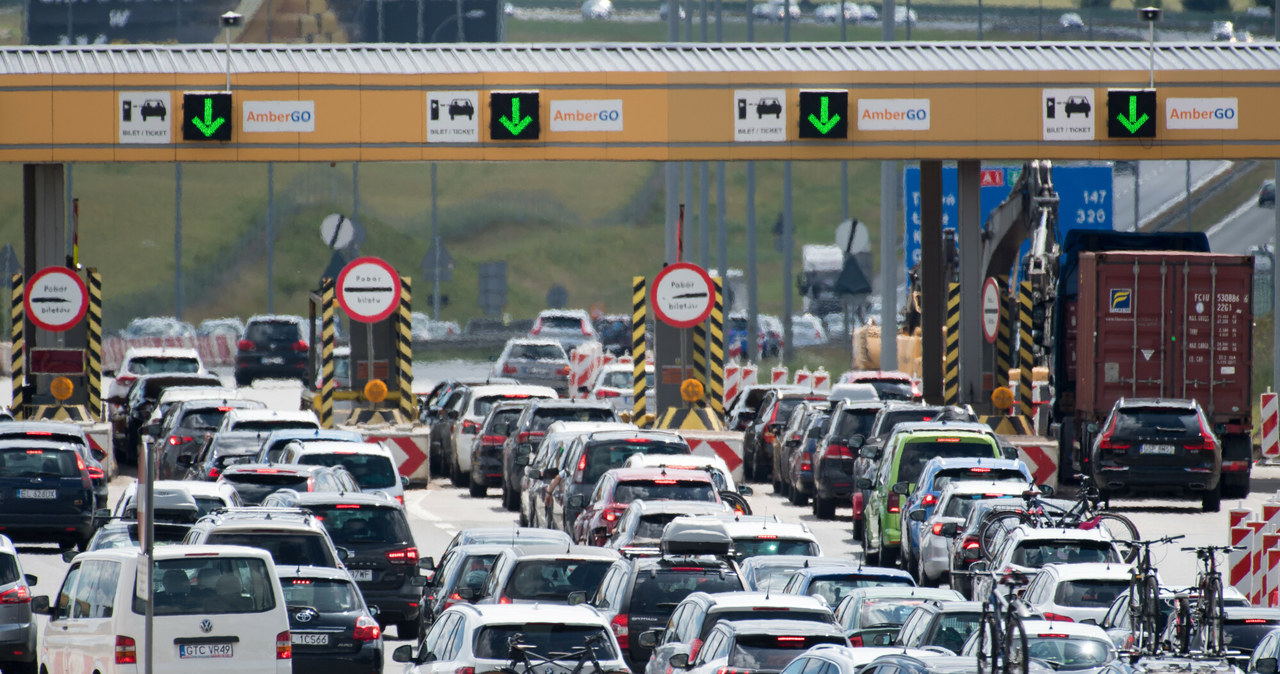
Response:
column 55, row 647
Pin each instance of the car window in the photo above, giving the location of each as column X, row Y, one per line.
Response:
column 253, row 487
column 886, row 611
column 286, row 548
column 371, row 471
column 1067, row 654
column 916, row 453
column 664, row 490
column 952, row 630
column 274, row 425
column 773, row 545
column 162, row 365
column 797, row 666
column 1036, row 553
column 96, row 592
column 834, row 588
column 492, row 641
column 554, row 579
column 356, row 524
column 945, row 477
column 536, row 352
column 272, row 331
column 959, row 505
column 437, row 634
column 659, row 592
column 34, row 462
column 602, row 456
column 62, row 610
column 770, row 651
column 545, row 416
column 216, row 584
column 325, row 595
column 1157, row 421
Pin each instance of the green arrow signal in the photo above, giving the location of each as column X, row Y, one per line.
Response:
column 825, row 122
column 208, row 126
column 1133, row 122
column 515, row 125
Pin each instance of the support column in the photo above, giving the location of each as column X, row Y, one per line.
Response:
column 969, row 237
column 404, row 351
column 1004, row 337
column 951, row 353
column 43, row 217
column 93, row 330
column 639, row 383
column 715, row 389
column 670, row 238
column 932, row 284
column 1025, row 361
column 327, row 343
column 889, row 278
column 18, row 351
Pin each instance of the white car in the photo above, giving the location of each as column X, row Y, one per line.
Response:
column 831, row 13
column 1027, row 549
column 760, row 535
column 370, row 463
column 597, row 9
column 1076, row 591
column 616, row 383
column 152, row 360
column 807, row 330
column 475, row 406
column 721, row 476
column 1065, row 646
column 209, row 496
column 478, row 637
column 265, row 421
column 570, row 327
column 954, row 504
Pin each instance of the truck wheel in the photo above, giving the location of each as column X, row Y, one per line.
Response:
column 1211, row 501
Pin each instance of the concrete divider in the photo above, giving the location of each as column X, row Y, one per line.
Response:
column 725, row 444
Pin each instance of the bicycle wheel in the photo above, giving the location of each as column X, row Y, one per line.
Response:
column 1149, row 612
column 1182, row 614
column 1211, row 625
column 1121, row 530
column 1014, row 650
column 996, row 526
column 988, row 643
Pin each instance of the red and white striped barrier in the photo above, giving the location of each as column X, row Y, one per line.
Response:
column 737, row 376
column 1253, row 570
column 821, row 379
column 1255, row 561
column 778, row 375
column 1239, row 561
column 214, row 350
column 1270, row 425
column 584, row 361
column 803, row 377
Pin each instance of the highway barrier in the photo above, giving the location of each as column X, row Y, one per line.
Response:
column 1255, row 569
column 1270, row 425
column 214, row 350
column 724, row 444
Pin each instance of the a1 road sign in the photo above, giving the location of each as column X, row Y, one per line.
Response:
column 56, row 299
column 368, row 289
column 682, row 295
column 990, row 310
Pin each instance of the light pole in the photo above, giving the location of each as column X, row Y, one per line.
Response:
column 229, row 20
column 1151, row 15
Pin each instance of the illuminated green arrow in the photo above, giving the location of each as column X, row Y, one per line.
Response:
column 208, row 125
column 515, row 125
column 1133, row 122
column 826, row 122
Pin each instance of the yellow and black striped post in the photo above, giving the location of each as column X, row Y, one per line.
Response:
column 639, row 382
column 1025, row 363
column 951, row 349
column 18, row 358
column 700, row 358
column 326, row 353
column 1004, row 336
column 93, row 337
column 404, row 350
column 716, row 352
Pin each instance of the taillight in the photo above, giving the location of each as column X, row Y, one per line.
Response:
column 214, row 473
column 525, row 437
column 1106, row 443
column 403, row 556
column 893, row 502
column 470, row 427
column 1206, row 441
column 929, row 499
column 563, row 371
column 855, row 640
column 243, row 345
column 504, row 600
column 937, row 529
column 127, row 650
column 465, row 670
column 18, row 595
column 96, row 473
column 400, row 498
column 284, row 646
column 838, row 452
column 508, row 369
column 366, row 629
column 492, row 439
column 1057, row 616
column 694, row 648
column 452, row 599
column 606, row 393
column 621, row 630
column 126, row 379
column 80, row 463
column 970, row 547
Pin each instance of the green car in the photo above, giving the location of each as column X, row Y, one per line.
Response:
column 905, row 454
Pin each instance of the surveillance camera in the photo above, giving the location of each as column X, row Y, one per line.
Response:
column 231, row 20
column 1149, row 13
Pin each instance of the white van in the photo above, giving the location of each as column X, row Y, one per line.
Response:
column 218, row 608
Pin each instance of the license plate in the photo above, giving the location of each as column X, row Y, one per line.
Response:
column 360, row 575
column 205, row 651
column 1157, row 449
column 37, row 493
column 303, row 639
column 273, row 360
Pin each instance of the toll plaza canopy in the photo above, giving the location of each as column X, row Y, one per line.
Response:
column 635, row 101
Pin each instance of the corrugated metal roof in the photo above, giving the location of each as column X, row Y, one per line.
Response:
column 637, row 58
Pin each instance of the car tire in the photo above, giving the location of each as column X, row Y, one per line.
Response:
column 480, row 491
column 243, row 380
column 19, row 667
column 456, row 476
column 796, row 497
column 870, row 555
column 509, row 500
column 1211, row 501
column 823, row 509
column 407, row 629
column 1235, row 488
column 888, row 555
column 858, row 528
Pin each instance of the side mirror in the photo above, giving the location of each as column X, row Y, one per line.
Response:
column 577, row 597
column 648, row 639
column 1046, row 490
column 97, row 453
column 857, row 441
column 468, row 593
column 41, row 606
column 577, row 500
column 745, row 490
column 862, row 483
column 151, row 429
column 30, row 578
column 1091, row 427
column 917, row 515
column 404, row 481
column 549, row 473
column 345, row 553
column 426, row 563
column 452, row 415
column 881, row 639
column 901, row 488
column 583, row 390
column 68, row 555
column 403, row 653
column 1088, row 621
column 522, row 459
column 418, row 581
column 869, row 453
column 1262, row 666
column 102, row 514
column 950, row 529
column 679, row 660
column 978, row 567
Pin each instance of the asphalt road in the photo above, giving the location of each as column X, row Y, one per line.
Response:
column 1248, row 225
column 1163, row 184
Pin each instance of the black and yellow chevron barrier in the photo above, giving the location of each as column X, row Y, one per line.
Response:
column 951, row 349
column 404, row 351
column 715, row 353
column 1004, row 337
column 1008, row 425
column 1025, row 362
column 327, row 343
column 93, row 343
column 18, row 357
column 77, row 413
column 639, row 380
column 690, row 419
column 700, row 356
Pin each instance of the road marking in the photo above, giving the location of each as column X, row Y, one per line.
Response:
column 1249, row 203
column 416, row 507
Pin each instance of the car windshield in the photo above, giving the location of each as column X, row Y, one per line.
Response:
column 649, row 528
column 618, row 379
column 204, row 419
column 554, row 579
column 162, row 365
column 1156, row 421
column 1067, row 653
column 959, row 505
column 658, row 593
column 1089, row 592
column 855, row 422
column 603, row 456
column 501, row 417
column 892, row 390
column 272, row 331
column 20, row 462
column 773, row 652
column 945, row 477
column 363, row 524
column 325, row 595
column 1037, row 553
column 274, row 425
column 664, row 490
column 773, row 577
column 763, row 613
column 1244, row 635
column 253, row 487
column 952, row 630
column 286, row 548
column 772, row 545
column 492, row 642
column 371, row 471
column 916, row 453
column 535, row 352
column 475, row 570
column 8, row 569
column 546, row 416
column 834, row 588
column 483, row 405
column 883, row 612
column 213, row 584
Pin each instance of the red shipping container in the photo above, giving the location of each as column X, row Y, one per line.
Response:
column 1165, row 324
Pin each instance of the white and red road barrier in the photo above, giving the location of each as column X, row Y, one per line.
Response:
column 1270, row 406
column 408, row 449
column 778, row 375
column 1040, row 455
column 803, row 377
column 1254, row 570
column 585, row 360
column 725, row 444
column 214, row 350
column 821, row 379
column 738, row 376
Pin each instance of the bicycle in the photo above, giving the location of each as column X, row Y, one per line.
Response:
column 1209, row 613
column 1144, row 596
column 1002, row 640
column 1087, row 512
column 522, row 654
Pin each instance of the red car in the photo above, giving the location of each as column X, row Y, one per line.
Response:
column 619, row 487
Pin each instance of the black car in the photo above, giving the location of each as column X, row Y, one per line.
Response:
column 1267, row 193
column 135, row 410
column 219, row 451
column 758, row 438
column 808, row 423
column 589, row 456
column 331, row 627
column 63, row 433
column 183, row 429
column 1150, row 444
column 529, row 430
column 46, row 494
column 486, row 451
column 273, row 347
